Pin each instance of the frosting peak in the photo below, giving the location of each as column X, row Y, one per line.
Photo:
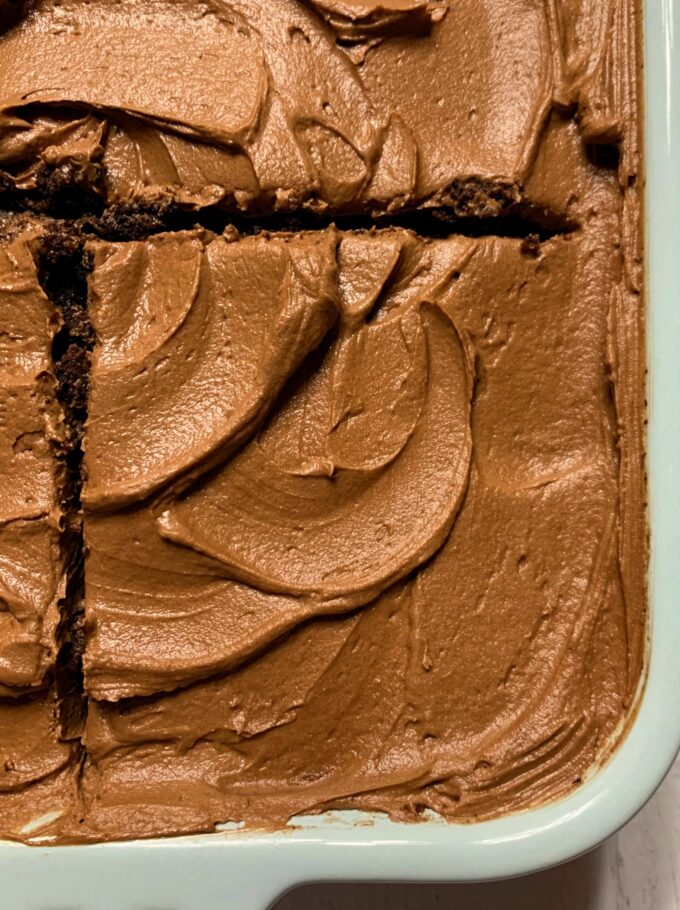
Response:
column 370, row 20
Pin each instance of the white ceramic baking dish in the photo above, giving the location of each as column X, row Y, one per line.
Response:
column 236, row 871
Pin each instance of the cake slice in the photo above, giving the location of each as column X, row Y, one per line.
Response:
column 320, row 621
column 37, row 766
column 32, row 574
column 324, row 105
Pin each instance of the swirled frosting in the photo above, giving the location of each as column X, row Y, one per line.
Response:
column 363, row 510
column 322, row 508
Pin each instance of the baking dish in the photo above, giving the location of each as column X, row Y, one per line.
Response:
column 231, row 869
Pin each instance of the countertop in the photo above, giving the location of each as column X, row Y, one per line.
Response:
column 638, row 868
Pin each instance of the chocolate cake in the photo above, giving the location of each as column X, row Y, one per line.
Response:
column 323, row 407
column 36, row 766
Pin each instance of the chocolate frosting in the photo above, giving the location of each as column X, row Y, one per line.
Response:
column 36, row 765
column 363, row 510
column 207, row 334
column 319, row 514
column 37, row 770
column 31, row 571
column 359, row 21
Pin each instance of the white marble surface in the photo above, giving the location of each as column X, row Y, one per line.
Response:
column 638, row 868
